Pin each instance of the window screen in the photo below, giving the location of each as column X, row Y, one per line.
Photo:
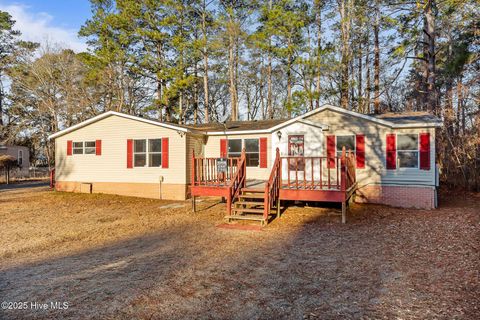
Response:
column 78, row 147
column 140, row 153
column 252, row 152
column 407, row 150
column 154, row 152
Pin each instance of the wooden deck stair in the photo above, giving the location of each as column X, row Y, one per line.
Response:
column 312, row 178
column 250, row 206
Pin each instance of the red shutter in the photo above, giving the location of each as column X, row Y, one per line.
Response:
column 425, row 151
column 129, row 153
column 223, row 148
column 331, row 148
column 165, row 153
column 98, row 147
column 391, row 151
column 263, row 152
column 360, row 151
column 69, row 147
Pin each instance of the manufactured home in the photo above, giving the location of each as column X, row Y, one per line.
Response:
column 327, row 154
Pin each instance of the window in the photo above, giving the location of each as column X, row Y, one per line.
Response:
column 90, row 147
column 20, row 157
column 407, row 150
column 235, row 148
column 78, row 148
column 296, row 144
column 155, row 152
column 152, row 154
column 345, row 141
column 139, row 153
column 252, row 152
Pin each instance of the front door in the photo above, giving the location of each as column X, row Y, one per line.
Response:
column 296, row 148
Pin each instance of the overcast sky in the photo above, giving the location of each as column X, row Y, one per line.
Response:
column 57, row 21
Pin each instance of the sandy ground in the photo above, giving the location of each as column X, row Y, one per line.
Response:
column 112, row 257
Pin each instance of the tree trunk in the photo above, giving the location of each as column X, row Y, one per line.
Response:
column 318, row 20
column 367, row 76
column 460, row 106
column 269, row 87
column 269, row 73
column 360, row 79
column 206, row 98
column 159, row 99
column 376, row 63
column 289, row 86
column 195, row 95
column 429, row 31
column 231, row 74
column 344, row 9
column 1, row 104
column 205, row 65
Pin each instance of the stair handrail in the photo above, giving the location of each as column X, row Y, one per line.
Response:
column 348, row 172
column 238, row 182
column 272, row 187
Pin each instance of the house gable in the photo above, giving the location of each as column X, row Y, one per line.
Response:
column 118, row 114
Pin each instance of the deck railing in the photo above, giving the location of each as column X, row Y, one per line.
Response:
column 237, row 182
column 348, row 170
column 272, row 187
column 318, row 173
column 205, row 173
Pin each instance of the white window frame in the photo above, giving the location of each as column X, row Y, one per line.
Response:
column 250, row 152
column 228, row 147
column 140, row 153
column 149, row 152
column 246, row 152
column 399, row 151
column 90, row 148
column 77, row 148
column 20, row 158
column 339, row 152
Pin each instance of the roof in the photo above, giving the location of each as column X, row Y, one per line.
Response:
column 238, row 125
column 407, row 117
column 123, row 115
column 392, row 120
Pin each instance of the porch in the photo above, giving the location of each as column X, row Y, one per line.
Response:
column 327, row 179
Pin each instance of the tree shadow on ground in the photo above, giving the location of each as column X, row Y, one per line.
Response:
column 314, row 267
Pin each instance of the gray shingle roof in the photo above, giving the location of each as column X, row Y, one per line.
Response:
column 407, row 117
column 237, row 125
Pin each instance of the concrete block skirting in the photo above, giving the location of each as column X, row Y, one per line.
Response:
column 144, row 190
column 421, row 197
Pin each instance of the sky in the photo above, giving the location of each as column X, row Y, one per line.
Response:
column 55, row 21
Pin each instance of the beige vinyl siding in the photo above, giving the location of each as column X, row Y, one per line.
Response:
column 212, row 149
column 111, row 166
column 375, row 146
column 194, row 143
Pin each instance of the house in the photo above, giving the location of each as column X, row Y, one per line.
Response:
column 22, row 155
column 392, row 158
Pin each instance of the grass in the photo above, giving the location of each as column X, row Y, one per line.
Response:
column 114, row 257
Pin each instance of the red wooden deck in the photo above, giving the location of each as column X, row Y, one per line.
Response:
column 323, row 179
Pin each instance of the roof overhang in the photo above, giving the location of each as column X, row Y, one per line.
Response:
column 123, row 115
column 300, row 119
column 358, row 115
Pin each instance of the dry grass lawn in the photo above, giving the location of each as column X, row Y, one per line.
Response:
column 113, row 257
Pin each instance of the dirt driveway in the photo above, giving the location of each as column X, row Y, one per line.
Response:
column 111, row 257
